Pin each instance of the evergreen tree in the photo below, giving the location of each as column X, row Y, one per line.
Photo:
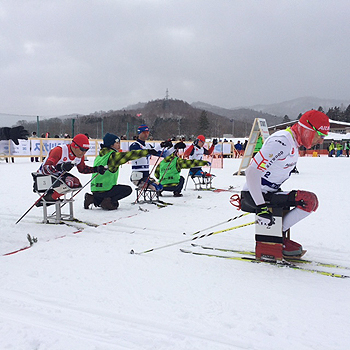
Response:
column 347, row 115
column 286, row 119
column 334, row 113
column 203, row 123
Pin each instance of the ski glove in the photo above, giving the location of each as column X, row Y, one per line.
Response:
column 264, row 216
column 14, row 134
column 215, row 142
column 306, row 201
column 100, row 169
column 153, row 152
column 65, row 166
column 167, row 144
column 195, row 143
column 180, row 145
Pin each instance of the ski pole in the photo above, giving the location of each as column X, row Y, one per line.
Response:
column 166, row 170
column 38, row 200
column 188, row 175
column 78, row 191
column 211, row 162
column 192, row 239
column 144, row 187
column 221, row 223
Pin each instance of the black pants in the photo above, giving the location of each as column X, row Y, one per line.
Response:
column 177, row 188
column 272, row 199
column 116, row 193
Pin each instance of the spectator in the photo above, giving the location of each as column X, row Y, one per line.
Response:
column 331, row 149
column 347, row 147
column 339, row 148
column 34, row 135
column 238, row 149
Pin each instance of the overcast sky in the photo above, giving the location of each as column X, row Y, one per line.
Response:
column 80, row 56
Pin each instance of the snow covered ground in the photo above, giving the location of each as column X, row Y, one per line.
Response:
column 85, row 291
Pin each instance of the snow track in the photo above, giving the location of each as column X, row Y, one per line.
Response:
column 66, row 322
column 86, row 292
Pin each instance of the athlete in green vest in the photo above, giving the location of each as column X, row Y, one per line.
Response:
column 168, row 171
column 347, row 148
column 105, row 191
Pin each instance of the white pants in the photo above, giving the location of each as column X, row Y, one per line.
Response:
column 293, row 217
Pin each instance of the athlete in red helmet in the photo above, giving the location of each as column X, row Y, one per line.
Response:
column 196, row 152
column 63, row 158
column 272, row 166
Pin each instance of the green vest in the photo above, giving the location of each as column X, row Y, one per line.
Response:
column 258, row 145
column 172, row 175
column 103, row 183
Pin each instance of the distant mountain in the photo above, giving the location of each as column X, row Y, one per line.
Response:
column 138, row 105
column 175, row 117
column 294, row 107
column 12, row 119
column 244, row 114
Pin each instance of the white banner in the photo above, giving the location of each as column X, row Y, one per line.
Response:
column 4, row 147
column 226, row 148
column 48, row 145
column 23, row 149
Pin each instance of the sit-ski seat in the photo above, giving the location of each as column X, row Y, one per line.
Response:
column 146, row 195
column 202, row 182
column 50, row 183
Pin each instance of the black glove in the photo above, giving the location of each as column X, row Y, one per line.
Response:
column 18, row 133
column 180, row 145
column 153, row 152
column 65, row 166
column 14, row 134
column 215, row 142
column 195, row 143
column 166, row 143
column 100, row 169
column 5, row 133
column 264, row 216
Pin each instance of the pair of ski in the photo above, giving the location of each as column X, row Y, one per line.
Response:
column 159, row 203
column 249, row 256
column 217, row 190
column 78, row 225
column 229, row 189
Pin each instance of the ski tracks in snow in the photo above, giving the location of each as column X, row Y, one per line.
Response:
column 83, row 325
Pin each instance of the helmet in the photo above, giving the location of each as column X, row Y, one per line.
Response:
column 315, row 120
column 142, row 128
column 201, row 138
column 310, row 123
column 80, row 141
